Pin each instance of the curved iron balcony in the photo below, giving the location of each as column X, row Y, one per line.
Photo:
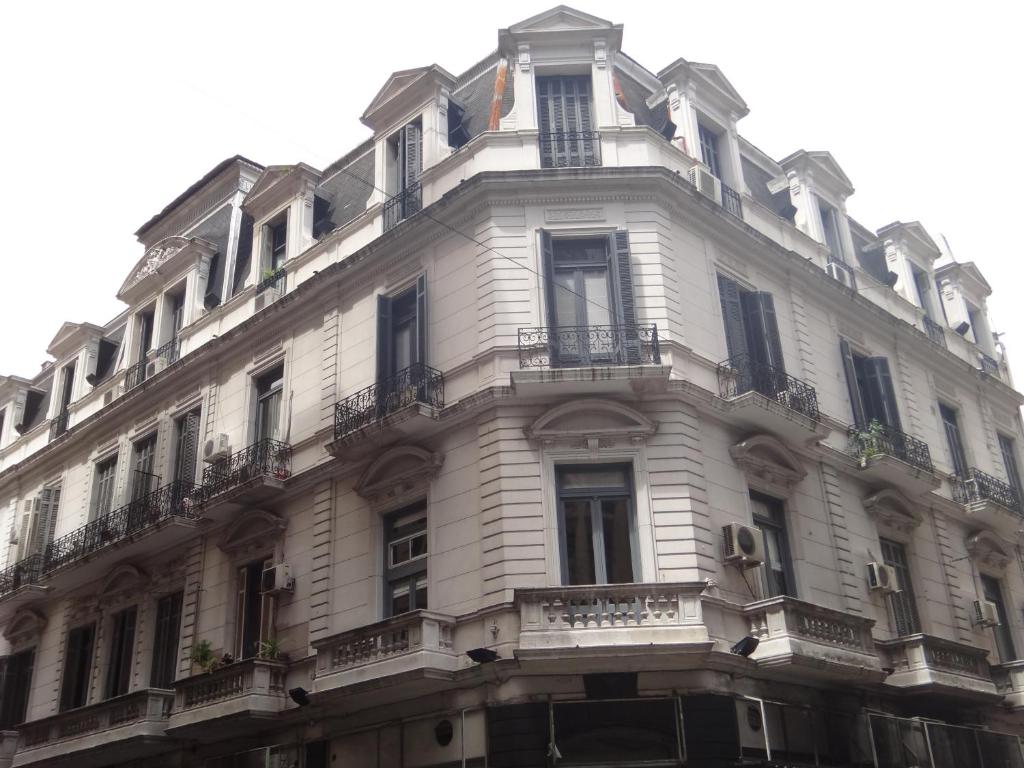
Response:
column 273, row 280
column 935, row 332
column 418, row 383
column 878, row 439
column 577, row 149
column 587, row 346
column 741, row 374
column 22, row 573
column 264, row 458
column 59, row 424
column 978, row 486
column 403, row 205
column 148, row 511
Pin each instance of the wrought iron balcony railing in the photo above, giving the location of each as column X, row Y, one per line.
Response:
column 59, row 424
column 739, row 375
column 152, row 364
column 935, row 332
column 22, row 573
column 403, row 205
column 579, row 149
column 732, row 202
column 418, row 383
column 988, row 364
column 274, row 279
column 586, row 346
column 978, row 486
column 877, row 439
column 170, row 501
column 264, row 458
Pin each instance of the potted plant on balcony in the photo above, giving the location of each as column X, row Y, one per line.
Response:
column 869, row 442
column 270, row 650
column 202, row 657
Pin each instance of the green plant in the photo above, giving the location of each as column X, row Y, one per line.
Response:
column 870, row 441
column 270, row 649
column 202, row 655
column 268, row 273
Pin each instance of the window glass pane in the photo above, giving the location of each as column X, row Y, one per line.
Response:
column 400, row 599
column 403, row 346
column 595, row 282
column 626, row 732
column 617, row 551
column 421, row 592
column 565, row 299
column 593, row 478
column 579, row 540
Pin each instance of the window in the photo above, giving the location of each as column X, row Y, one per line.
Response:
column 15, row 686
column 275, row 243
column 186, row 447
column 67, row 384
column 954, row 442
column 404, row 164
column 903, row 604
column 122, row 652
column 74, row 688
column 166, row 634
column 177, row 314
column 922, row 287
column 770, row 519
column 268, row 404
column 401, row 330
column 752, row 337
column 143, row 480
column 406, row 560
column 567, row 138
column 145, row 334
column 103, row 487
column 830, row 229
column 3, row 417
column 709, row 149
column 992, row 591
column 872, row 397
column 39, row 522
column 598, row 525
column 254, row 618
column 1009, row 451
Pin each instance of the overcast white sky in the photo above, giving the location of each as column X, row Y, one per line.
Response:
column 110, row 110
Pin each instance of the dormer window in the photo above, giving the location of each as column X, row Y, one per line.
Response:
column 145, row 336
column 405, row 164
column 276, row 242
column 709, row 149
column 830, row 230
column 566, row 123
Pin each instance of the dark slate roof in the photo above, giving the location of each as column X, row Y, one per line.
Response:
column 345, row 195
column 636, row 97
column 870, row 255
column 347, row 159
column 757, row 179
column 475, row 98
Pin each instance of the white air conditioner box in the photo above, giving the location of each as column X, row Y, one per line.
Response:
column 744, row 545
column 154, row 367
column 882, row 578
column 277, row 578
column 706, row 183
column 985, row 614
column 216, row 449
column 842, row 273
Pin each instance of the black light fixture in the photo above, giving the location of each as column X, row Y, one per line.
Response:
column 300, row 696
column 745, row 647
column 963, row 328
column 891, row 278
column 443, row 732
column 483, row 655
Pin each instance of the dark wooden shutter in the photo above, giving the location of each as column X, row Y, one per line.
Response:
column 24, row 665
column 384, row 337
column 77, row 664
column 547, row 264
column 412, row 151
column 167, row 635
column 49, row 508
column 623, row 313
column 880, row 392
column 1006, row 447
column 122, row 653
column 189, row 448
column 421, row 319
column 243, row 253
column 852, row 385
column 732, row 315
column 763, row 342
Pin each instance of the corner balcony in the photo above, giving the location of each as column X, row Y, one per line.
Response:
column 588, row 360
column 577, row 149
column 403, row 205
column 935, row 332
column 931, row 665
column 578, row 628
column 404, row 404
column 151, row 523
column 152, row 364
column 988, row 499
column 112, row 732
column 888, row 456
column 19, row 583
column 402, row 657
column 228, row 701
column 1009, row 679
column 762, row 397
column 249, row 476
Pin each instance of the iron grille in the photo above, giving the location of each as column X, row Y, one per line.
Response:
column 403, row 205
column 876, row 439
column 935, row 332
column 978, row 486
column 274, row 280
column 988, row 364
column 264, row 458
column 59, row 424
column 139, row 372
column 418, row 383
column 23, row 572
column 584, row 346
column 172, row 500
column 739, row 375
column 732, row 202
column 572, row 149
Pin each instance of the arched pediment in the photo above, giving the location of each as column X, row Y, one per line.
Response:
column 766, row 459
column 987, row 549
column 892, row 508
column 397, row 471
column 254, row 530
column 123, row 577
column 25, row 625
column 161, row 253
column 592, row 421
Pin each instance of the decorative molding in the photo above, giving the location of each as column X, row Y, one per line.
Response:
column 601, row 53
column 124, row 580
column 397, row 472
column 590, row 423
column 890, row 507
column 26, row 624
column 155, row 258
column 766, row 460
column 524, row 57
column 986, row 549
column 558, row 215
column 254, row 531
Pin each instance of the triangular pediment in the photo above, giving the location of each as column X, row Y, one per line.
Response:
column 821, row 164
column 269, row 178
column 560, row 19
column 411, row 82
column 591, row 419
column 914, row 232
column 714, row 75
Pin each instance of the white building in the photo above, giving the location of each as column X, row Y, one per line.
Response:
column 519, row 436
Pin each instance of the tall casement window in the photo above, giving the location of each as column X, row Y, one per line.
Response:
column 268, row 404
column 143, row 480
column 103, row 487
column 3, row 418
column 597, row 523
column 15, row 686
column 122, row 652
column 567, row 138
column 166, row 633
column 78, row 650
column 406, row 560
column 591, row 309
column 709, row 149
column 402, row 333
column 752, row 337
column 403, row 166
column 830, row 227
column 67, row 384
column 992, row 591
column 954, row 441
column 275, row 243
column 254, row 617
column 144, row 337
column 902, row 602
column 186, row 447
column 1009, row 451
column 872, row 397
column 38, row 522
column 770, row 519
column 177, row 315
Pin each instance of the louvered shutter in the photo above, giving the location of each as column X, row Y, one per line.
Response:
column 584, row 122
column 878, row 392
column 34, row 526
column 384, row 338
column 412, row 150
column 49, row 504
column 24, row 544
column 852, row 384
column 624, row 311
column 243, row 253
column 189, row 448
column 732, row 315
column 763, row 342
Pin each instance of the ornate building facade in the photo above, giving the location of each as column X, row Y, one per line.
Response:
column 554, row 424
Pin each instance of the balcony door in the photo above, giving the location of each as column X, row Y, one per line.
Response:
column 872, row 396
column 402, row 346
column 269, row 387
column 565, row 122
column 752, row 338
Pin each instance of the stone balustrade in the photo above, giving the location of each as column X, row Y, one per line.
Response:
column 924, row 662
column 257, row 677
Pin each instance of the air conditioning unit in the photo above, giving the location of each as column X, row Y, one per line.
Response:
column 882, row 578
column 156, row 366
column 111, row 394
column 744, row 545
column 266, row 298
column 706, row 183
column 750, row 727
column 985, row 614
column 216, row 449
column 841, row 273
column 277, row 578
